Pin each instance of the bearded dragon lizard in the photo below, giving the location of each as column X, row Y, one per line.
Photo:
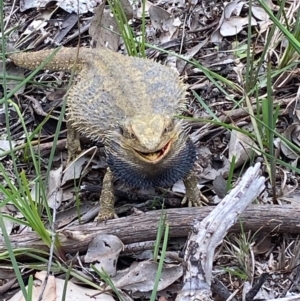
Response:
column 130, row 104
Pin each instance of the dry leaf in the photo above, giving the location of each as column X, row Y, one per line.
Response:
column 66, row 216
column 235, row 25
column 292, row 134
column 264, row 25
column 104, row 29
column 79, row 6
column 231, row 23
column 74, row 169
column 220, row 186
column 34, row 26
column 164, row 22
column 242, row 147
column 261, row 295
column 104, row 250
column 67, row 24
column 179, row 187
column 55, row 287
column 26, row 4
column 229, row 8
column 180, row 64
column 37, row 25
column 5, row 146
column 259, row 13
column 233, row 8
column 12, row 70
column 127, row 8
column 141, row 277
column 139, row 10
column 8, row 223
column 263, row 243
column 54, row 194
column 271, row 4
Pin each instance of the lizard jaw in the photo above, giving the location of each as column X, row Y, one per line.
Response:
column 154, row 157
column 128, row 167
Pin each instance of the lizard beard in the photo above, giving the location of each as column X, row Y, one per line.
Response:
column 130, row 169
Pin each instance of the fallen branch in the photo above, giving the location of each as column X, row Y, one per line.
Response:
column 138, row 228
column 208, row 233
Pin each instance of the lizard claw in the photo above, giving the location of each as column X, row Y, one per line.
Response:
column 193, row 195
column 105, row 216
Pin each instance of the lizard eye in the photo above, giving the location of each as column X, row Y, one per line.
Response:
column 167, row 129
column 120, row 130
column 128, row 134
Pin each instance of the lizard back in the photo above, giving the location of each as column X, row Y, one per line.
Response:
column 111, row 87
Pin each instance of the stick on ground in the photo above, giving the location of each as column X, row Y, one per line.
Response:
column 208, row 233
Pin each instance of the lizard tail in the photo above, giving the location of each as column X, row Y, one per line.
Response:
column 64, row 59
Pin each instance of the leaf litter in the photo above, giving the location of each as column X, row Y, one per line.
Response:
column 189, row 30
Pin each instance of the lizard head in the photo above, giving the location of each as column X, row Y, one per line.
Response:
column 149, row 137
column 150, row 151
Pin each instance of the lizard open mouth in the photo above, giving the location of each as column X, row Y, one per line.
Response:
column 154, row 157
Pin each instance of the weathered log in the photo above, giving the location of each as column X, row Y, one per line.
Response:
column 138, row 228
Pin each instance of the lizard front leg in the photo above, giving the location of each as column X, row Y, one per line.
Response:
column 107, row 198
column 73, row 142
column 193, row 195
